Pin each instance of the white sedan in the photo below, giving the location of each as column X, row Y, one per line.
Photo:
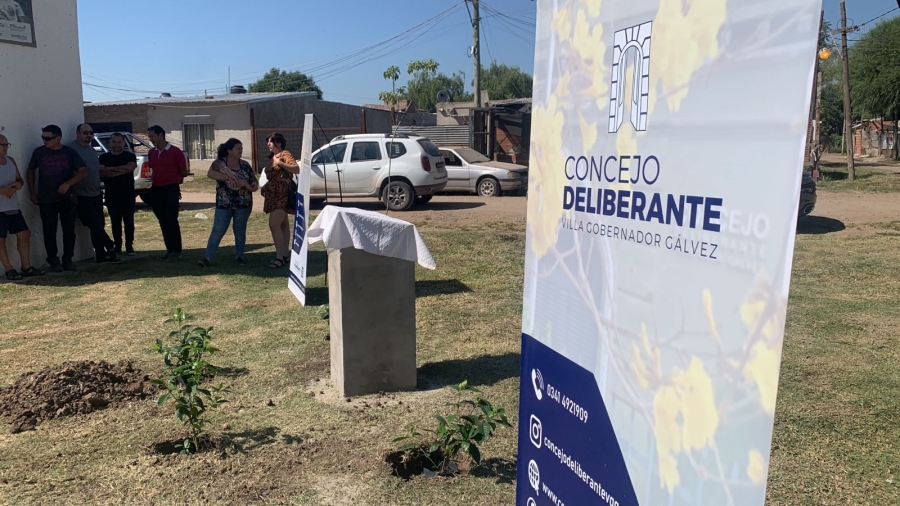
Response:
column 470, row 171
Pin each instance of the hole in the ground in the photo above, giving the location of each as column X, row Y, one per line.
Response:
column 176, row 446
column 413, row 462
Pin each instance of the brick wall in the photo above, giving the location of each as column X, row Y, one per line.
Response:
column 136, row 114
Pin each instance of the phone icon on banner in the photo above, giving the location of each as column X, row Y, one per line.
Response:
column 537, row 381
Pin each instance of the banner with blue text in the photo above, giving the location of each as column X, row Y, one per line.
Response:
column 666, row 161
column 299, row 244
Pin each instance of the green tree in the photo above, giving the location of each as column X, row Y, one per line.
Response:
column 423, row 85
column 277, row 80
column 832, row 101
column 505, row 82
column 875, row 72
column 392, row 98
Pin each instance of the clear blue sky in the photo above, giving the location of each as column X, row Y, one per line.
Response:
column 135, row 50
column 187, row 45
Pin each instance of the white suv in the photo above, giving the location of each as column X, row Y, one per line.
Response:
column 358, row 165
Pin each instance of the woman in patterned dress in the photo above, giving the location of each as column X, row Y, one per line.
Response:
column 279, row 172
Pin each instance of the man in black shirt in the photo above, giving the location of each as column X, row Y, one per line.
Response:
column 117, row 170
column 58, row 168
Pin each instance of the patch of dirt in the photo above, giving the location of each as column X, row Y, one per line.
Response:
column 416, row 462
column 858, row 207
column 67, row 389
column 204, row 444
column 323, row 390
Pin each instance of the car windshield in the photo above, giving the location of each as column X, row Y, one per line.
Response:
column 470, row 155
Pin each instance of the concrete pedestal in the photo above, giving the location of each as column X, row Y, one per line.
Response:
column 372, row 307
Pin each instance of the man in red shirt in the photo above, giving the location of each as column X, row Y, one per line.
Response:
column 168, row 167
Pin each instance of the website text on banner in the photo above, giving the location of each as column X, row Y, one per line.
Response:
column 299, row 245
column 666, row 160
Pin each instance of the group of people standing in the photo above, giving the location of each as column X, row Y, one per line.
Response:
column 235, row 184
column 65, row 183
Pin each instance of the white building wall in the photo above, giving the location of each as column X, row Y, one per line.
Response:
column 40, row 86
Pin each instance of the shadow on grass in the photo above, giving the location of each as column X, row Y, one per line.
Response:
column 818, row 225
column 504, row 470
column 373, row 205
column 480, row 371
column 233, row 372
column 242, row 442
column 426, row 288
column 861, row 175
column 148, row 265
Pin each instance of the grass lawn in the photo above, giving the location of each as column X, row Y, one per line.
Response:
column 837, row 418
column 885, row 179
column 201, row 183
column 301, row 450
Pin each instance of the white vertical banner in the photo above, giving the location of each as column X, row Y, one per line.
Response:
column 299, row 244
column 666, row 159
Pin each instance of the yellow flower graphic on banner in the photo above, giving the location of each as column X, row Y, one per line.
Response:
column 756, row 467
column 545, row 178
column 762, row 368
column 685, row 35
column 587, row 42
column 753, row 314
column 710, row 316
column 591, row 6
column 685, row 419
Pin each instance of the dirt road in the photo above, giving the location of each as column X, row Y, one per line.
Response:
column 462, row 210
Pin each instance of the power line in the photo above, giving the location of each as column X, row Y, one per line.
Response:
column 878, row 17
column 333, row 67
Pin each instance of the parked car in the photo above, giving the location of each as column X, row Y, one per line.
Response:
column 807, row 194
column 357, row 166
column 470, row 171
column 140, row 149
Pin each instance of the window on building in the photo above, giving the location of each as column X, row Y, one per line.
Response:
column 200, row 141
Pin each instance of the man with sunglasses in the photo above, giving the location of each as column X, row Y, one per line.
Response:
column 89, row 197
column 52, row 172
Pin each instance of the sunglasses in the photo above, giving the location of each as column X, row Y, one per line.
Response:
column 6, row 145
column 48, row 139
column 88, row 132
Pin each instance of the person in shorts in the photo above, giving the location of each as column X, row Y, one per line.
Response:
column 11, row 219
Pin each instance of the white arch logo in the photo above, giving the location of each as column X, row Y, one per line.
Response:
column 634, row 41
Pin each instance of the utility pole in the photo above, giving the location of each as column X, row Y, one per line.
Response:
column 476, row 51
column 848, row 120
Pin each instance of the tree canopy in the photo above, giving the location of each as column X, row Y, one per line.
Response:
column 875, row 71
column 277, row 80
column 424, row 83
column 504, row 82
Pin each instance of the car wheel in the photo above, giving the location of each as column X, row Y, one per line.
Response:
column 423, row 199
column 145, row 198
column 398, row 196
column 488, row 187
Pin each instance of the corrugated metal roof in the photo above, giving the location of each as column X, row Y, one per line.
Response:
column 237, row 98
column 442, row 135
